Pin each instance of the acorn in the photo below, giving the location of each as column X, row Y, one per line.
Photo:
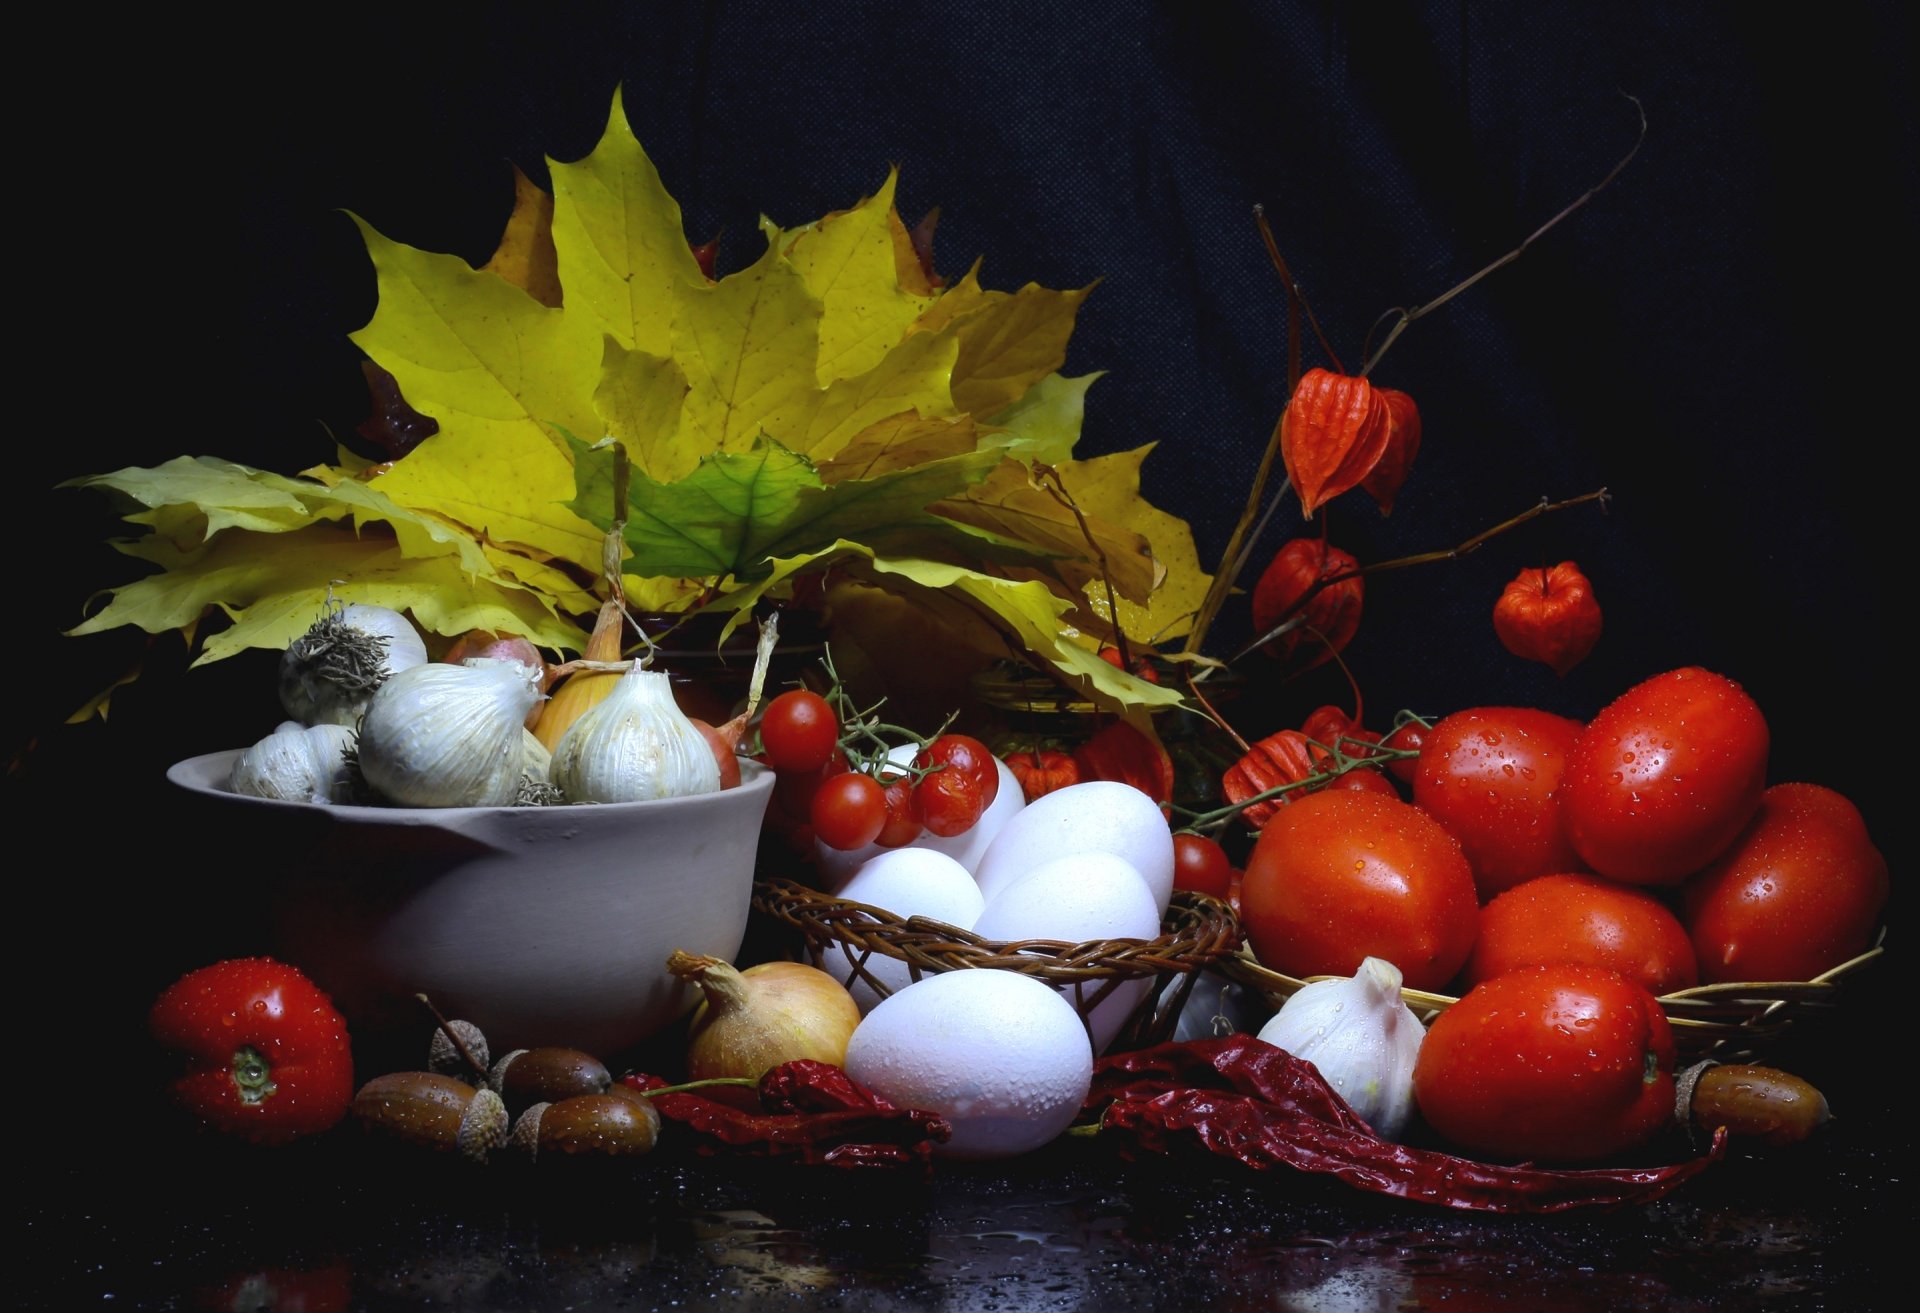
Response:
column 596, row 1125
column 433, row 1111
column 444, row 1053
column 546, row 1075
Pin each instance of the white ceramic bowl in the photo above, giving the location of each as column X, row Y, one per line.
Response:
column 541, row 925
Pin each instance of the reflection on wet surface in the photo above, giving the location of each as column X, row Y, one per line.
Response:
column 1069, row 1228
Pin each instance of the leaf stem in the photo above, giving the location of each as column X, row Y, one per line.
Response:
column 1054, row 486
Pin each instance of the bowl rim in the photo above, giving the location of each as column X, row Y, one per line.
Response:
column 205, row 775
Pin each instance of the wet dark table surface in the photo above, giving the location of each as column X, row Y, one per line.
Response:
column 150, row 1217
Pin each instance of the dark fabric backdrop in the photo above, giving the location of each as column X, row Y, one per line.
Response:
column 1708, row 338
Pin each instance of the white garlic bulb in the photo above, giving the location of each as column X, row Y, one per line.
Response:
column 296, row 763
column 1363, row 1039
column 439, row 735
column 634, row 744
column 329, row 673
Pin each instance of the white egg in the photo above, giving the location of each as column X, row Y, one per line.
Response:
column 906, row 882
column 1100, row 816
column 999, row 1055
column 837, row 867
column 1076, row 898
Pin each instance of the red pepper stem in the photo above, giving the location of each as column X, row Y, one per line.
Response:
column 684, row 1086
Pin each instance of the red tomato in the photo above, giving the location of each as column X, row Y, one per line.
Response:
column 902, row 825
column 1410, row 735
column 268, row 1056
column 1566, row 1063
column 1337, row 877
column 1798, row 893
column 799, row 731
column 1492, row 777
column 1365, row 780
column 849, row 811
column 1583, row 919
column 961, row 783
column 1201, row 864
column 1665, row 777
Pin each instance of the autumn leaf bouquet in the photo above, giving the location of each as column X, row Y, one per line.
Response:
column 834, row 412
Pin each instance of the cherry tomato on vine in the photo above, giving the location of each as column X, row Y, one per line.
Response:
column 948, row 803
column 1365, row 780
column 967, row 755
column 1492, row 776
column 961, row 782
column 799, row 731
column 792, row 801
column 1665, row 777
column 1201, row 864
column 1337, row 877
column 1587, row 920
column 1412, row 735
column 1564, row 1063
column 903, row 824
column 849, row 811
column 1799, row 892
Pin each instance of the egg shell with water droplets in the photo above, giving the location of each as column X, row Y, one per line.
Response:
column 1077, row 898
column 837, row 867
column 907, row 882
column 999, row 1055
column 1100, row 816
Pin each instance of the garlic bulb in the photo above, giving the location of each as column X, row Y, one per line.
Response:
column 633, row 745
column 1363, row 1039
column 330, row 672
column 296, row 763
column 449, row 736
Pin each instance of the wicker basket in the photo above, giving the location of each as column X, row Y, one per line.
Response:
column 840, row 935
column 1730, row 1023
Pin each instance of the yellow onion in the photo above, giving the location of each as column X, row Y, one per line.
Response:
column 575, row 695
column 761, row 1017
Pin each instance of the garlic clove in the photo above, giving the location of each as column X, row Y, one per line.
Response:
column 296, row 763
column 634, row 745
column 329, row 673
column 1361, row 1036
column 440, row 735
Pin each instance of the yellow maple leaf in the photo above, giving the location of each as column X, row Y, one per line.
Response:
column 847, row 261
column 526, row 256
column 1109, row 487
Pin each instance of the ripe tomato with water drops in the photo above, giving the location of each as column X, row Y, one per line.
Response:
column 1492, row 776
column 1587, row 920
column 1665, row 777
column 1800, row 891
column 1560, row 1063
column 267, row 1055
column 1337, row 877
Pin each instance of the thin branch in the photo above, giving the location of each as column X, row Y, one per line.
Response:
column 1297, row 303
column 1295, row 615
column 1050, row 481
column 1408, row 316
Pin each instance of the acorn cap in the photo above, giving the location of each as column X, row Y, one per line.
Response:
column 484, row 1127
column 526, row 1132
column 444, row 1056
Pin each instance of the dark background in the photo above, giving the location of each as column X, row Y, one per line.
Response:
column 1706, row 338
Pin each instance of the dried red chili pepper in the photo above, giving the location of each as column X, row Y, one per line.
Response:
column 1403, row 444
column 1333, row 613
column 813, row 1112
column 1549, row 616
column 1244, row 1099
column 1331, row 436
column 1122, row 753
column 1042, row 771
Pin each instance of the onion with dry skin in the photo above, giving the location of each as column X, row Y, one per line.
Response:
column 761, row 1017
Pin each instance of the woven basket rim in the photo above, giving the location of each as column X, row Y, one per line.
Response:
column 1203, row 932
column 1732, row 1018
